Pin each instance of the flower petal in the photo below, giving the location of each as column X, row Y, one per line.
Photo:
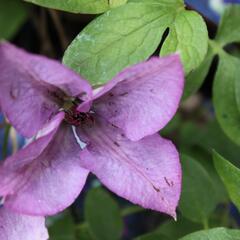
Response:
column 53, row 180
column 12, row 170
column 32, row 88
column 146, row 172
column 145, row 97
column 14, row 226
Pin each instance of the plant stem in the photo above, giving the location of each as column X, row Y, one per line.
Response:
column 60, row 30
column 205, row 224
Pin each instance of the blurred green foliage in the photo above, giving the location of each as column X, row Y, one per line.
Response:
column 13, row 14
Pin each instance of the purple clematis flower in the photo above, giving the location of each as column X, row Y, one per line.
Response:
column 111, row 132
column 14, row 226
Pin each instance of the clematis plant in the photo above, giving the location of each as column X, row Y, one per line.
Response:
column 111, row 131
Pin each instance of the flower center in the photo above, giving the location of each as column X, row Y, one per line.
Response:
column 74, row 117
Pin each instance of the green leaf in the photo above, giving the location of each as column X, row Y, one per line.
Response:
column 163, row 3
column 187, row 130
column 200, row 147
column 229, row 29
column 176, row 229
column 230, row 176
column 131, row 210
column 172, row 126
column 12, row 15
column 225, row 96
column 189, row 37
column 209, row 136
column 214, row 234
column 127, row 35
column 214, row 138
column 153, row 236
column 196, row 78
column 103, row 215
column 83, row 232
column 62, row 227
column 198, row 198
column 80, row 6
column 205, row 159
column 119, row 38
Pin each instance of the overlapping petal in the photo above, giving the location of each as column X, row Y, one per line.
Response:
column 146, row 172
column 32, row 88
column 21, row 227
column 13, row 170
column 143, row 98
column 43, row 182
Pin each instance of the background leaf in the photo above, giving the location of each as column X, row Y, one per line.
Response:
column 208, row 136
column 176, row 229
column 224, row 96
column 187, row 36
column 230, row 176
column 62, row 227
column 83, row 232
column 153, row 236
column 13, row 13
column 103, row 215
column 214, row 234
column 205, row 159
column 198, row 199
column 229, row 29
column 195, row 79
column 80, row 6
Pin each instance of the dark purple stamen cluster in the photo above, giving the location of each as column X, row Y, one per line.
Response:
column 76, row 118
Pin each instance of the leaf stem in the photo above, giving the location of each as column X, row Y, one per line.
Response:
column 205, row 224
